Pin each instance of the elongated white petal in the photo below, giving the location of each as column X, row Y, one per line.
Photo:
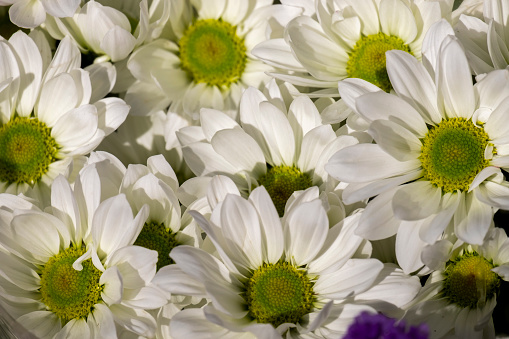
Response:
column 305, row 231
column 397, row 20
column 472, row 219
column 396, row 140
column 378, row 221
column 366, row 162
column 416, row 200
column 356, row 276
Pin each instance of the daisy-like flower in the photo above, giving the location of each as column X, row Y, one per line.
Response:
column 203, row 58
column 486, row 40
column 32, row 13
column 439, row 148
column 283, row 150
column 78, row 275
column 350, row 40
column 459, row 297
column 294, row 278
column 47, row 118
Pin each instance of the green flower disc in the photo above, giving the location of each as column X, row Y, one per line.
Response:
column 453, row 154
column 279, row 293
column 26, row 150
column 69, row 293
column 211, row 52
column 281, row 181
column 367, row 59
column 469, row 281
column 157, row 237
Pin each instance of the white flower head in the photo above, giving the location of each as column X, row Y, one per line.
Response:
column 458, row 299
column 47, row 119
column 283, row 149
column 348, row 39
column 439, row 148
column 273, row 277
column 72, row 271
column 203, row 58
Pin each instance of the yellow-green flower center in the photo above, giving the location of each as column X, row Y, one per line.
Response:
column 281, row 181
column 279, row 293
column 211, row 52
column 157, row 237
column 26, row 150
column 367, row 59
column 469, row 281
column 453, row 154
column 69, row 293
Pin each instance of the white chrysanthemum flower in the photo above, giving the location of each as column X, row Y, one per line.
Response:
column 203, row 58
column 486, row 41
column 151, row 185
column 294, row 277
column 78, row 275
column 349, row 40
column 459, row 297
column 439, row 148
column 32, row 13
column 48, row 118
column 283, row 150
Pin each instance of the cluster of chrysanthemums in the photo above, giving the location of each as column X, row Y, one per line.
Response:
column 246, row 169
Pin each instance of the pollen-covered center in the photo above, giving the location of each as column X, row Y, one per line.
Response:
column 279, row 293
column 281, row 181
column 26, row 150
column 367, row 59
column 157, row 237
column 213, row 53
column 469, row 281
column 453, row 154
column 69, row 293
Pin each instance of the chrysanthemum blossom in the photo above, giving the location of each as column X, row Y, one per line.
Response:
column 439, row 148
column 349, row 39
column 459, row 297
column 283, row 149
column 72, row 271
column 203, row 58
column 32, row 13
column 485, row 39
column 153, row 186
column 48, row 117
column 272, row 279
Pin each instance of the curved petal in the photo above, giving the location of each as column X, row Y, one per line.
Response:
column 416, row 200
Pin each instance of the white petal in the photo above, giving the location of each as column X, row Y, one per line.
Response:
column 413, row 83
column 75, row 128
column 416, row 200
column 472, row 219
column 219, row 188
column 213, row 121
column 378, row 221
column 61, row 8
column 396, row 140
column 409, row 246
column 113, row 286
column 77, row 328
column 41, row 323
column 102, row 323
column 313, row 145
column 381, row 105
column 270, row 224
column 366, row 162
column 397, row 20
column 240, row 150
column 118, row 43
column 137, row 265
column 58, row 96
column 241, row 227
column 356, row 276
column 134, row 320
column 456, row 96
column 305, row 231
column 27, row 13
column 102, row 77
